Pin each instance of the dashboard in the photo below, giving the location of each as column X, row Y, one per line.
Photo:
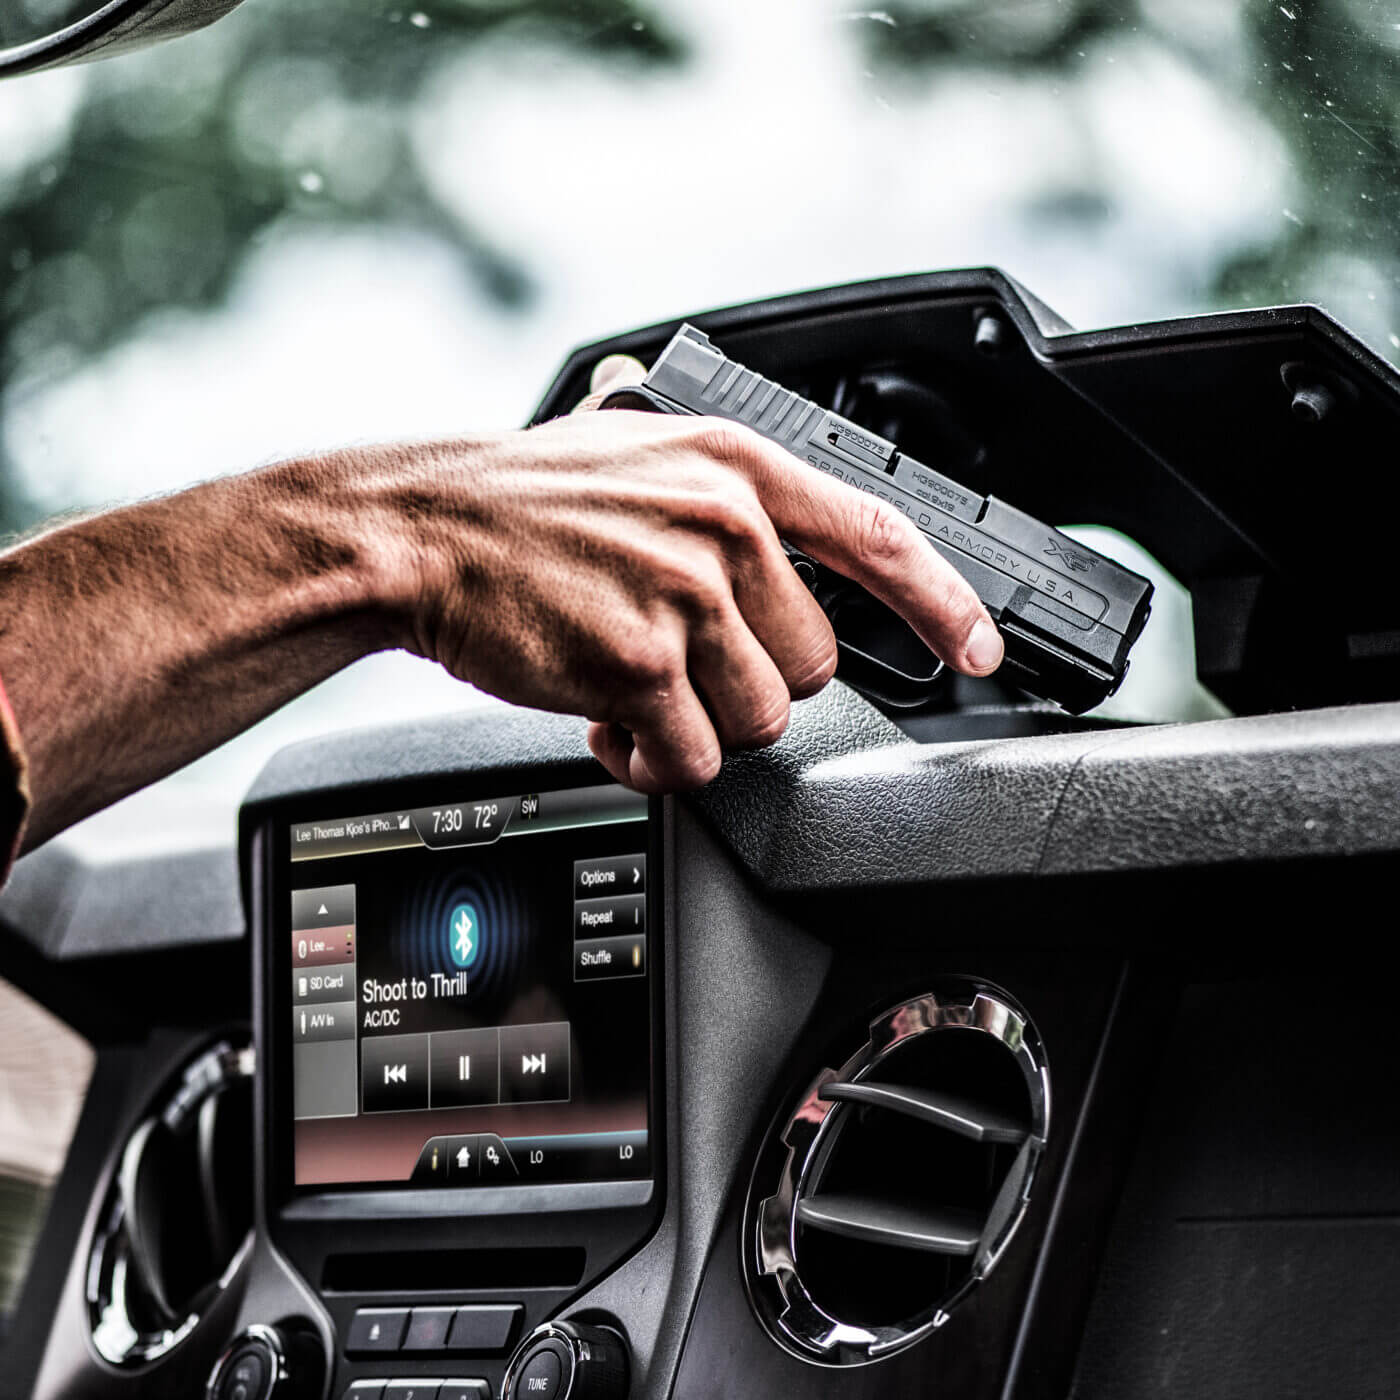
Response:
column 965, row 1050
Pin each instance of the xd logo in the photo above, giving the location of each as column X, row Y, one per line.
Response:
column 464, row 935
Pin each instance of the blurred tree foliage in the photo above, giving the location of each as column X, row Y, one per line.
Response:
column 1331, row 76
column 179, row 158
column 1324, row 73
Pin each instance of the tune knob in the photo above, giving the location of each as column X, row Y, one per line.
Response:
column 568, row 1361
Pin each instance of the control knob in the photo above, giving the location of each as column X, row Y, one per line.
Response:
column 568, row 1361
column 269, row 1363
column 253, row 1367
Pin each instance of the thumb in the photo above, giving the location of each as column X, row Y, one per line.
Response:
column 611, row 372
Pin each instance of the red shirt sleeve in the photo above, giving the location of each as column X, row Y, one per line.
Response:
column 14, row 787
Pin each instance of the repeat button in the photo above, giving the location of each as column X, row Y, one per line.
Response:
column 608, row 918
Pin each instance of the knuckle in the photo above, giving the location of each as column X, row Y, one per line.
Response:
column 882, row 533
column 812, row 672
column 647, row 661
column 722, row 440
column 705, row 595
column 742, row 521
column 729, row 514
column 764, row 724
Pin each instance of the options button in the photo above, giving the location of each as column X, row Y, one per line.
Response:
column 496, row 1161
column 610, row 875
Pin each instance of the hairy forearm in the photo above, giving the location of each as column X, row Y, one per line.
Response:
column 622, row 566
column 134, row 641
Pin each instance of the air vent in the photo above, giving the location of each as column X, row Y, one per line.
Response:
column 895, row 1185
column 176, row 1220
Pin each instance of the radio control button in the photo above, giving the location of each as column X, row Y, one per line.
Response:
column 364, row 1390
column 332, row 982
column 376, row 1330
column 496, row 1162
column 465, row 1390
column 535, row 1063
column 610, row 875
column 412, row 1390
column 434, row 1163
column 427, row 1329
column 329, row 906
column 539, row 1377
column 609, row 918
column 462, row 1156
column 465, row 1068
column 246, row 1377
column 316, row 1022
column 601, row 959
column 485, row 1329
column 394, row 1072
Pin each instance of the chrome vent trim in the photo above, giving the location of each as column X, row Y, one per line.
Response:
column 779, row 1213
column 134, row 1316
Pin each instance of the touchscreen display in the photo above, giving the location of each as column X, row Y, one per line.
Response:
column 470, row 992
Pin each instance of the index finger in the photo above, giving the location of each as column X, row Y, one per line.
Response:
column 876, row 546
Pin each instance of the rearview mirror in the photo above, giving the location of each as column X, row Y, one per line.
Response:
column 38, row 34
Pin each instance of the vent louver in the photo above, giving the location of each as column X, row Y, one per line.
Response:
column 177, row 1217
column 895, row 1185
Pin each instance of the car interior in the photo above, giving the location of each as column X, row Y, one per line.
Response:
column 954, row 1045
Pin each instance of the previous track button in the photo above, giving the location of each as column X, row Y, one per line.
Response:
column 394, row 1072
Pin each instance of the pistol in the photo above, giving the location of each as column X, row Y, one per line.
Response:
column 1068, row 615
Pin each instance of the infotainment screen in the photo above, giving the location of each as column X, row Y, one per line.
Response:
column 471, row 991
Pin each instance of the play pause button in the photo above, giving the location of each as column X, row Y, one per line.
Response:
column 465, row 1068
column 535, row 1063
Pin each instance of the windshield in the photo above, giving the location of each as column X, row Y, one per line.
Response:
column 324, row 221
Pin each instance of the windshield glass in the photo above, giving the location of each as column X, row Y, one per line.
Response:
column 324, row 221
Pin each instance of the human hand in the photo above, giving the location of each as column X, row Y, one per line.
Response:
column 627, row 567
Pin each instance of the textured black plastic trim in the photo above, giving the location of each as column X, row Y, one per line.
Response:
column 844, row 800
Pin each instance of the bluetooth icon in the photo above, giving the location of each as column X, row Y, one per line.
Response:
column 464, row 935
